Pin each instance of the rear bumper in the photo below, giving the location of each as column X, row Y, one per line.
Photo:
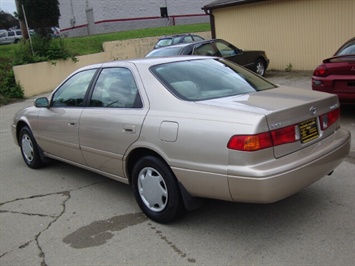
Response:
column 343, row 86
column 285, row 176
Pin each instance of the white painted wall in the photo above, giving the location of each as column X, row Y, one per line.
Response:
column 118, row 15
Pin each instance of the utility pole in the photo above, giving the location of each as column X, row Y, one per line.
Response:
column 23, row 27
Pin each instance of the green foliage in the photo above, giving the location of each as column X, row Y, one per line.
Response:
column 8, row 86
column 288, row 67
column 42, row 49
column 7, row 20
column 41, row 15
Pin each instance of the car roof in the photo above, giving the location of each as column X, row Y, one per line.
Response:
column 148, row 61
column 189, row 43
column 177, row 35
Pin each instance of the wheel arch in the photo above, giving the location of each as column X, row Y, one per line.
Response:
column 135, row 155
column 260, row 57
column 21, row 124
column 190, row 202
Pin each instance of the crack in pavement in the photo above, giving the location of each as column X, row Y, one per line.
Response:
column 50, row 194
column 29, row 214
column 67, row 194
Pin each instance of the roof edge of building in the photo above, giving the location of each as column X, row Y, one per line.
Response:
column 225, row 3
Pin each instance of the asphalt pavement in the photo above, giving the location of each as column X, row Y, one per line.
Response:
column 63, row 215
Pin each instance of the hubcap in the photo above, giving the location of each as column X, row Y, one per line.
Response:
column 260, row 68
column 27, row 148
column 152, row 189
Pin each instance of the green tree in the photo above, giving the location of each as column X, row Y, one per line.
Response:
column 7, row 20
column 41, row 15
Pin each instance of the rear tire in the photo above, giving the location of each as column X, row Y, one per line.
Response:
column 260, row 67
column 156, row 190
column 29, row 149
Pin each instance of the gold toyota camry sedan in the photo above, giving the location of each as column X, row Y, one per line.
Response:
column 181, row 129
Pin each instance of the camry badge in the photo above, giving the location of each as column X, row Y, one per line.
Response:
column 313, row 110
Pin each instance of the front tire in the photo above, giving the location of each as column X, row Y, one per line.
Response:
column 29, row 149
column 156, row 190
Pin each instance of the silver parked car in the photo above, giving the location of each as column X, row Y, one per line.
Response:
column 12, row 36
column 184, row 128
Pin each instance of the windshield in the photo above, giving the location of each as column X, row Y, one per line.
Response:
column 204, row 79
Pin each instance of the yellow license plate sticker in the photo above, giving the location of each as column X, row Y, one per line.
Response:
column 308, row 130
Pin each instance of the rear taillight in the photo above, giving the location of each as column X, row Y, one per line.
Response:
column 263, row 140
column 250, row 142
column 321, row 71
column 277, row 137
column 284, row 135
column 329, row 119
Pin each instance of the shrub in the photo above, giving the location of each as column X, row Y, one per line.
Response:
column 8, row 86
column 41, row 49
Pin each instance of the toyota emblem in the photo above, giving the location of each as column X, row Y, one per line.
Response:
column 313, row 110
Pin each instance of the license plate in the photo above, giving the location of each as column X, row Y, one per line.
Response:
column 308, row 130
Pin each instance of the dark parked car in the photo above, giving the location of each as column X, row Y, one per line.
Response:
column 175, row 39
column 337, row 74
column 256, row 61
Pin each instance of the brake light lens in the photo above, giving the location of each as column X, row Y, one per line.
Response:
column 277, row 137
column 263, row 140
column 250, row 142
column 321, row 71
column 329, row 119
column 284, row 135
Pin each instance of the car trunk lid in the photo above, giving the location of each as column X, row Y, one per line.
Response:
column 284, row 107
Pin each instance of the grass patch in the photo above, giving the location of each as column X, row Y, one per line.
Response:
column 7, row 51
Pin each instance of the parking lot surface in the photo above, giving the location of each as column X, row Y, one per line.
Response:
column 63, row 215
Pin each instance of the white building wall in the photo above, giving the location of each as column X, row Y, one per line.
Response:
column 119, row 15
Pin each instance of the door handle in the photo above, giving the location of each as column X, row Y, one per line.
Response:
column 129, row 128
column 72, row 123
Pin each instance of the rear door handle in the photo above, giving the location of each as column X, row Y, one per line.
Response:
column 72, row 123
column 129, row 128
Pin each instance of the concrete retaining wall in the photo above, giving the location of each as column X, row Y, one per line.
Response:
column 43, row 77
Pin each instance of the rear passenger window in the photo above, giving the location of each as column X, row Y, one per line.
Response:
column 116, row 88
column 198, row 38
column 188, row 39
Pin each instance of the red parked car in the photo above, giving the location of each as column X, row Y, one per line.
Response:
column 337, row 74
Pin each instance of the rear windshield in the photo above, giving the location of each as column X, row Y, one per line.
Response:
column 164, row 42
column 348, row 49
column 204, row 79
column 167, row 51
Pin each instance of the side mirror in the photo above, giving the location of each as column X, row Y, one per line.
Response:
column 42, row 102
column 238, row 51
